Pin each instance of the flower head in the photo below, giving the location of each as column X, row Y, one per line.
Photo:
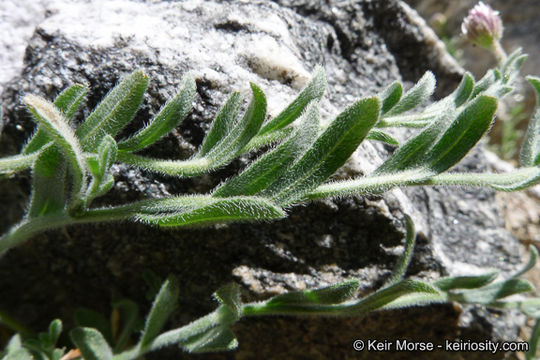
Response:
column 483, row 26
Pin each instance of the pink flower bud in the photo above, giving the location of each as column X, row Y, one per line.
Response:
column 483, row 26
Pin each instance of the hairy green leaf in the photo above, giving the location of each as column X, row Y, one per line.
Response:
column 468, row 128
column 219, row 210
column 231, row 145
column 219, row 338
column 492, row 292
column 530, row 150
column 383, row 137
column 313, row 91
column 223, row 124
column 114, row 112
column 329, row 152
column 274, row 163
column 48, row 183
column 390, row 96
column 52, row 121
column 167, row 119
column 484, row 83
column 465, row 282
column 165, row 303
column 18, row 354
column 333, row 294
column 416, row 95
column 68, row 102
column 107, row 151
column 464, row 90
column 129, row 312
column 229, row 296
column 91, row 343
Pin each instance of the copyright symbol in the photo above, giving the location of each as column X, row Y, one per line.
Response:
column 358, row 345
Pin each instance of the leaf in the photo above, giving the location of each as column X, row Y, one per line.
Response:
column 466, row 282
column 91, row 343
column 68, row 102
column 217, row 339
column 334, row 294
column 114, row 112
column 493, row 292
column 48, row 184
column 383, row 137
column 276, row 162
column 19, row 354
column 231, row 145
column 530, row 150
column 533, row 258
column 390, row 96
column 534, row 340
column 468, row 128
column 92, row 319
column 219, row 210
column 55, row 329
column 56, row 126
column 405, row 258
column 445, row 142
column 329, row 152
column 464, row 90
column 165, row 303
column 483, row 84
column 229, row 296
column 416, row 95
column 314, row 90
column 107, row 151
column 167, row 119
column 223, row 124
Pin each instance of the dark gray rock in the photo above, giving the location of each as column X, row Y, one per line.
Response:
column 363, row 45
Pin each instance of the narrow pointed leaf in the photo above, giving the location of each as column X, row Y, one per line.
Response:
column 52, row 121
column 464, row 90
column 165, row 303
column 229, row 296
column 468, row 128
column 533, row 258
column 55, row 329
column 167, row 119
column 91, row 344
column 129, row 311
column 217, row 339
column 313, row 91
column 466, row 282
column 48, row 183
column 334, row 294
column 405, row 258
column 276, row 162
column 219, row 210
column 493, row 291
column 107, row 151
column 329, row 152
column 484, row 83
column 416, row 95
column 223, row 124
column 114, row 112
column 68, row 102
column 534, row 340
column 383, row 137
column 232, row 144
column 530, row 150
column 390, row 96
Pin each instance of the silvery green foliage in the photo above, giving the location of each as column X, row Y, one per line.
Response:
column 72, row 167
column 213, row 332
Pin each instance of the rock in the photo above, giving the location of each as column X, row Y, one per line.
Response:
column 363, row 45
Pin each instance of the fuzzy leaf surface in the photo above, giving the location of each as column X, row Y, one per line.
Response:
column 91, row 343
column 114, row 112
column 167, row 119
column 416, row 95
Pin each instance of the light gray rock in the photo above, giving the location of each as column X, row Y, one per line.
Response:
column 363, row 46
